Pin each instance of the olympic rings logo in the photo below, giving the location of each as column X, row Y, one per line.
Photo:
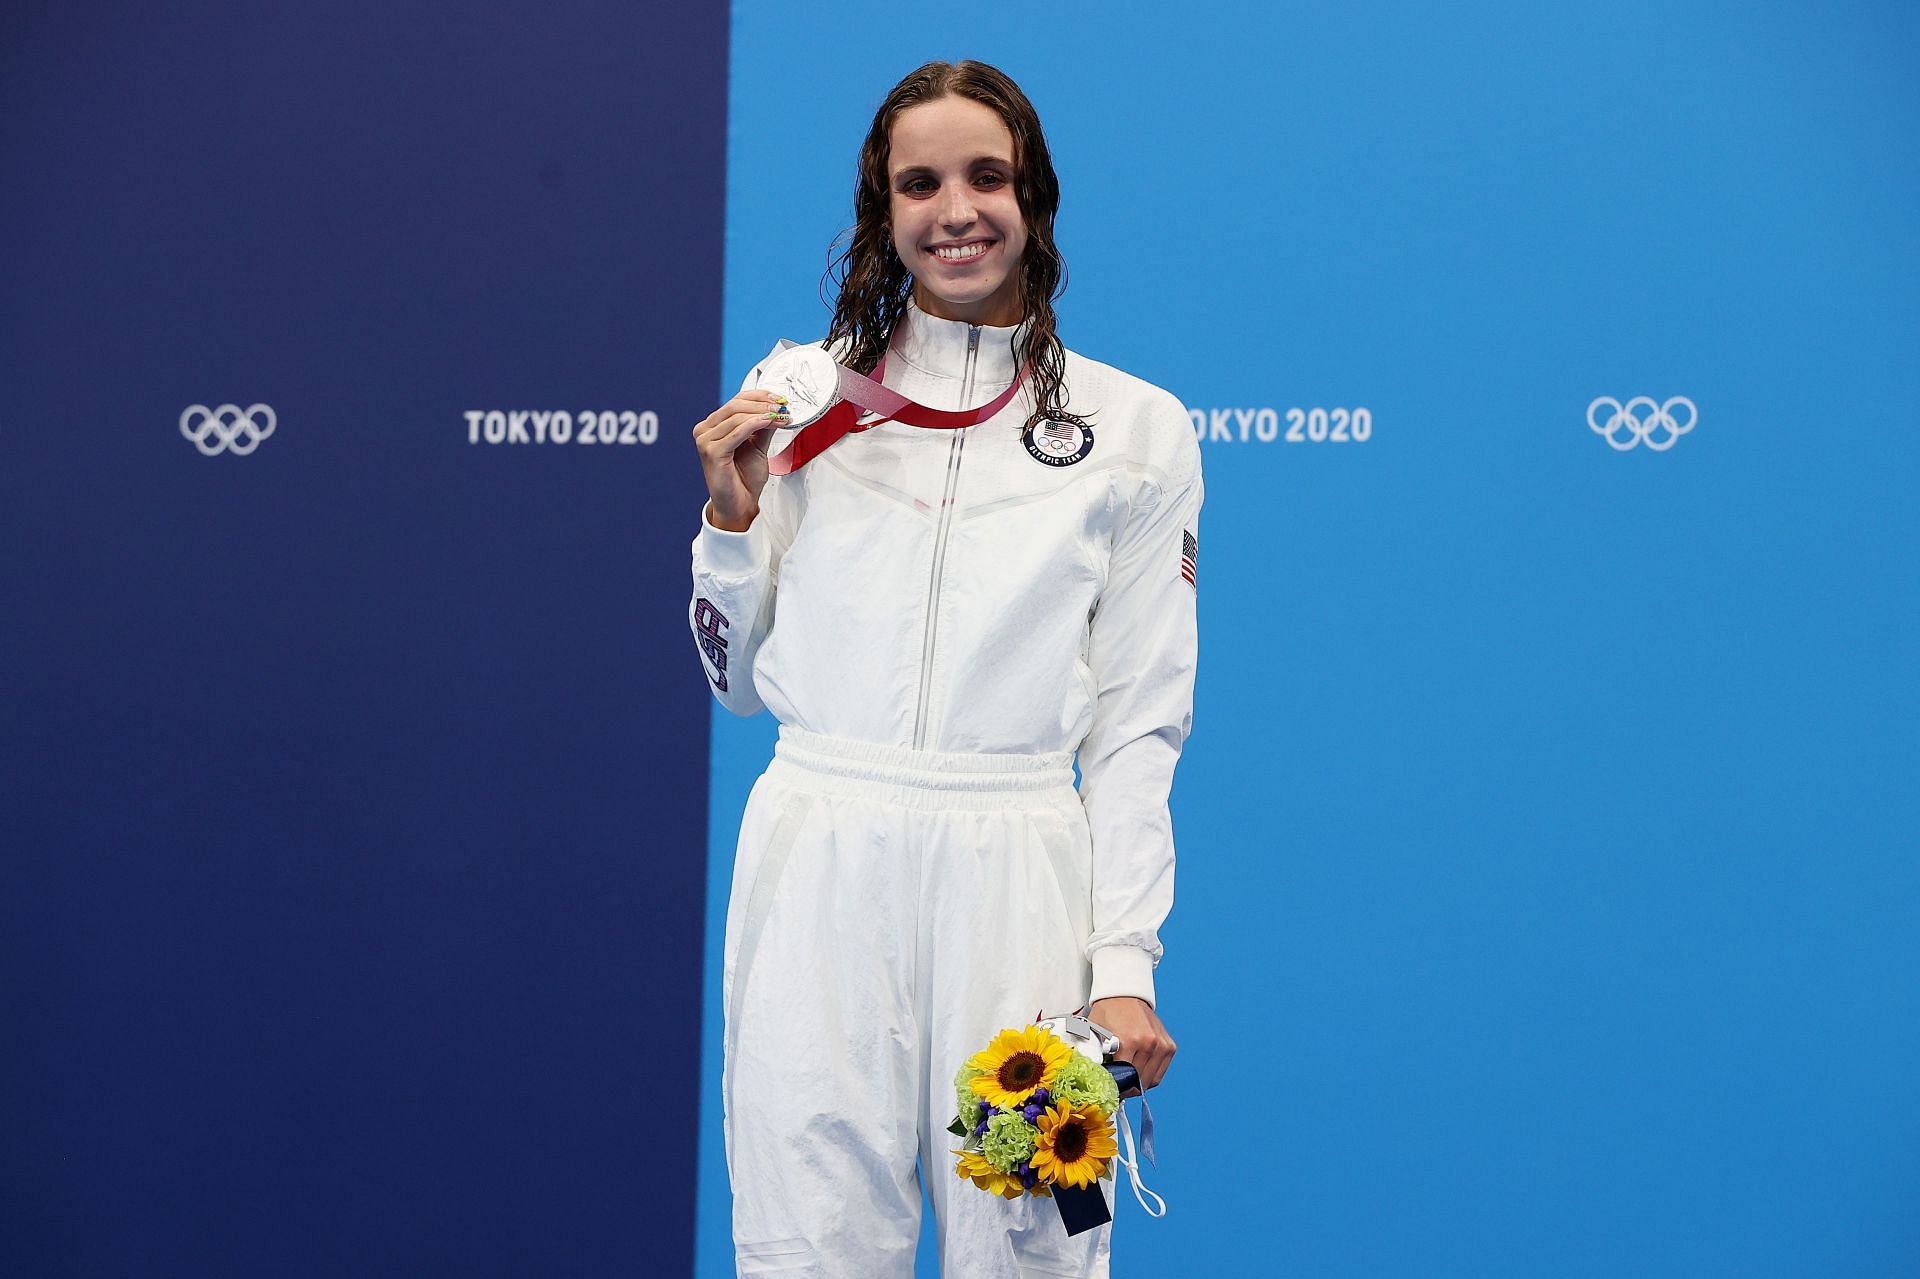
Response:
column 227, row 429
column 1640, row 418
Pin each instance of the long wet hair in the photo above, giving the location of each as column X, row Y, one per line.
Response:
column 873, row 282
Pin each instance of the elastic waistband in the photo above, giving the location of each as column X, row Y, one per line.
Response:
column 953, row 775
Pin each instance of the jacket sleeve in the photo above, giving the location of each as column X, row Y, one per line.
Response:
column 1143, row 650
column 735, row 577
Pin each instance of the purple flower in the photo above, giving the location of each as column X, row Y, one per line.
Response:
column 1027, row 1176
column 1032, row 1112
column 986, row 1108
column 980, row 1128
column 1042, row 1098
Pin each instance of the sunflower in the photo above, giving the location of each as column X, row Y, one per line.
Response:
column 974, row 1167
column 1074, row 1145
column 1016, row 1064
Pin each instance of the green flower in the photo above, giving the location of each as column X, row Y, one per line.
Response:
column 967, row 1099
column 1084, row 1081
column 1009, row 1141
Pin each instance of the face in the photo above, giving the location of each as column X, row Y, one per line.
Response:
column 950, row 174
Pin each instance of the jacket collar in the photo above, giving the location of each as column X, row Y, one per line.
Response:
column 939, row 347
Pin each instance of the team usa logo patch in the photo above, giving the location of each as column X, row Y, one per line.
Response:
column 1190, row 558
column 708, row 622
column 1058, row 443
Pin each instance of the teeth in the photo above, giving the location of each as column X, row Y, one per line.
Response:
column 961, row 254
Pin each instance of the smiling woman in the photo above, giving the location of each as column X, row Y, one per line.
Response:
column 957, row 224
column 956, row 156
column 944, row 608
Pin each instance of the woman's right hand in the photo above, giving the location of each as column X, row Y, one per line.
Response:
column 733, row 442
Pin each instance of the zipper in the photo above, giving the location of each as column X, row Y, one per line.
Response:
column 940, row 545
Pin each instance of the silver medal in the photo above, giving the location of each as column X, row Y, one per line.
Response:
column 810, row 380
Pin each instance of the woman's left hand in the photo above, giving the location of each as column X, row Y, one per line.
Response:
column 1143, row 1040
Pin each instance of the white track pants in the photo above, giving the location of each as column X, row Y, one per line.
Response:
column 891, row 910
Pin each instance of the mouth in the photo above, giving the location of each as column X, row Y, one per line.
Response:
column 964, row 253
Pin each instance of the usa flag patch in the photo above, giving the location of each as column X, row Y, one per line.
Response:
column 1189, row 558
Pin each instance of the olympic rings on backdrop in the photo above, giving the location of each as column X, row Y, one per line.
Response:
column 1640, row 418
column 228, row 428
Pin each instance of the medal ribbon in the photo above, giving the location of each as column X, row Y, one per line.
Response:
column 859, row 391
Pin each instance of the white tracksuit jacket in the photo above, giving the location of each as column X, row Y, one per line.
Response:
column 949, row 590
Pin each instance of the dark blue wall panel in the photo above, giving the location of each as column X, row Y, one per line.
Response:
column 353, row 841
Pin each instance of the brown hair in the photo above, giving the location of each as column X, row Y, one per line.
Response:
column 874, row 284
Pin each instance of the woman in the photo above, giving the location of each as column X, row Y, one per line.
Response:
column 940, row 619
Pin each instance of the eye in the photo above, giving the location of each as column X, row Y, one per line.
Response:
column 917, row 182
column 992, row 177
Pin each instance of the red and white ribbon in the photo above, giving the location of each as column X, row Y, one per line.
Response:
column 860, row 392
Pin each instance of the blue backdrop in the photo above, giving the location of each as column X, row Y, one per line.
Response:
column 1548, row 834
column 1548, row 874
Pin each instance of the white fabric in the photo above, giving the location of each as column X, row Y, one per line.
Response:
column 944, row 590
column 891, row 910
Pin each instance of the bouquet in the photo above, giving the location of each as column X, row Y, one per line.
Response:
column 1036, row 1113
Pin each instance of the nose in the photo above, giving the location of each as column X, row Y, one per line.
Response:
column 956, row 208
